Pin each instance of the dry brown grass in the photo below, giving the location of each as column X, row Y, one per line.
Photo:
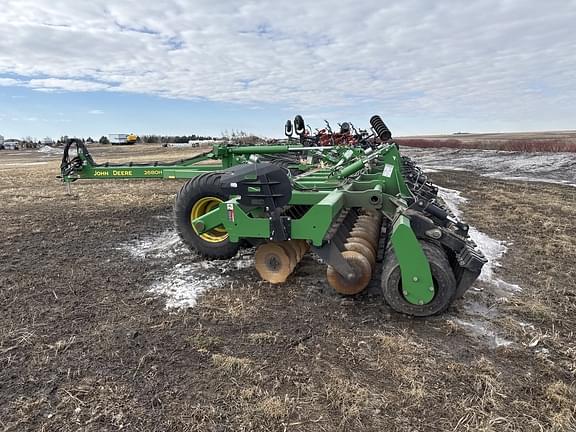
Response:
column 263, row 337
column 204, row 342
column 232, row 365
column 351, row 400
column 563, row 413
column 273, row 407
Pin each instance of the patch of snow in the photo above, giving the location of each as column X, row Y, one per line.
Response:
column 480, row 329
column 453, row 200
column 479, row 309
column 49, row 150
column 526, row 325
column 492, row 249
column 185, row 282
column 243, row 262
column 182, row 286
column 557, row 168
column 164, row 245
column 436, row 168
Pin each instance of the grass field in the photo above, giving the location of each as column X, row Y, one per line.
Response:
column 85, row 345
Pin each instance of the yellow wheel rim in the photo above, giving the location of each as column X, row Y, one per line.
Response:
column 200, row 208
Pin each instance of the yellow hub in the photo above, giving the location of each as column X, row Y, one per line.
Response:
column 200, row 208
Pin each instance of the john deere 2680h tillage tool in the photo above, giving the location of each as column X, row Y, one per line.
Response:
column 358, row 204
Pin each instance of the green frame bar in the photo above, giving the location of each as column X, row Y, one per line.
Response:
column 313, row 226
column 148, row 172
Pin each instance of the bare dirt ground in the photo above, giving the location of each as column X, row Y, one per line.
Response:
column 85, row 345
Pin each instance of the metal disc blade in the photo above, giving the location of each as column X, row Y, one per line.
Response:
column 362, row 274
column 362, row 241
column 359, row 232
column 273, row 262
column 363, row 250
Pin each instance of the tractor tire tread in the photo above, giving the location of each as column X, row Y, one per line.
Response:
column 196, row 188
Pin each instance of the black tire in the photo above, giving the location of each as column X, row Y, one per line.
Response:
column 444, row 283
column 202, row 186
column 299, row 125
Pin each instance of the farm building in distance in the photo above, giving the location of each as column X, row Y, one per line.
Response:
column 11, row 144
column 118, row 138
column 122, row 138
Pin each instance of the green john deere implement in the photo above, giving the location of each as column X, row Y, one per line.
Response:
column 361, row 207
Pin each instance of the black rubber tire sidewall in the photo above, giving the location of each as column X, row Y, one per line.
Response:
column 193, row 190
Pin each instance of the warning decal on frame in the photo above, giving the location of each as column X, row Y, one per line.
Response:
column 388, row 168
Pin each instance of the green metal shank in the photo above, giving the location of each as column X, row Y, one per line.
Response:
column 417, row 282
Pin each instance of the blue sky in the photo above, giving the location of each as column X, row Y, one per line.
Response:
column 93, row 68
column 30, row 112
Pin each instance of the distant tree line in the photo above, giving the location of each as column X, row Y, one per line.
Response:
column 174, row 138
column 29, row 142
column 241, row 137
column 545, row 144
column 234, row 136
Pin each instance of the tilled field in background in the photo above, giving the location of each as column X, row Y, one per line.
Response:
column 87, row 343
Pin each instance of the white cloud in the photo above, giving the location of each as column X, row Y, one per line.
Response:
column 9, row 82
column 53, row 84
column 486, row 59
column 96, row 112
